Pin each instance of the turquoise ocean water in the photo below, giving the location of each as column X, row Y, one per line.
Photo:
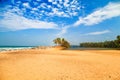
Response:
column 7, row 48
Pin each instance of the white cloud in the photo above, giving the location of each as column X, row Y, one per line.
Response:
column 98, row 32
column 34, row 9
column 66, row 3
column 65, row 8
column 109, row 11
column 13, row 22
column 61, row 8
column 63, row 31
column 26, row 5
column 38, row 0
column 50, row 0
column 35, row 3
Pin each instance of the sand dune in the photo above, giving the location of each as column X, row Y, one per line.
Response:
column 53, row 64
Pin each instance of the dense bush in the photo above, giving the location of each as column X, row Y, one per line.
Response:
column 105, row 44
column 61, row 42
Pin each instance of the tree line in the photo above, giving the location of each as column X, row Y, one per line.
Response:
column 105, row 44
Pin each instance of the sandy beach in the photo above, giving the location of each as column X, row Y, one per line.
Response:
column 37, row 64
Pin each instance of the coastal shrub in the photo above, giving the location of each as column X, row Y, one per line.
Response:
column 61, row 42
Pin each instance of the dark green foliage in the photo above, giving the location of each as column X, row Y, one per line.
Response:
column 61, row 42
column 105, row 44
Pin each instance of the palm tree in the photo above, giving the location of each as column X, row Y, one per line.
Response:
column 118, row 37
column 65, row 44
column 62, row 42
column 57, row 41
column 118, row 41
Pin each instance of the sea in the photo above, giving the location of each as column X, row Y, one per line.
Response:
column 7, row 48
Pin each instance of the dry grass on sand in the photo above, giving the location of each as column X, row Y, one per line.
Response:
column 53, row 64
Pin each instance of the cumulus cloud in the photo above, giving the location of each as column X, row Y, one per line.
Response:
column 59, row 8
column 98, row 32
column 109, row 11
column 64, row 8
column 13, row 22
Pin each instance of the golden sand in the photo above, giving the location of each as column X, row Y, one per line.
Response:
column 36, row 64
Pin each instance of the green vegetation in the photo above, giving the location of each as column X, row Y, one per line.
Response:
column 106, row 44
column 61, row 42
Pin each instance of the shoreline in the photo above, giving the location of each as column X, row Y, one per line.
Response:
column 51, row 47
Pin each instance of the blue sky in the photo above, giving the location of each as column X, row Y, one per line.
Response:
column 38, row 22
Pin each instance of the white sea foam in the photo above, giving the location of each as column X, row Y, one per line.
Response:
column 12, row 48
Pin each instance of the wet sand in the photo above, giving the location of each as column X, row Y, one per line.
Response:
column 36, row 64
